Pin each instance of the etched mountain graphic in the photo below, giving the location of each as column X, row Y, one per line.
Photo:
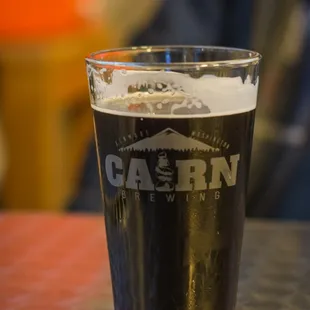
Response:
column 168, row 139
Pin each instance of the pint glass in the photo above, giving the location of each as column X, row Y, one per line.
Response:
column 173, row 128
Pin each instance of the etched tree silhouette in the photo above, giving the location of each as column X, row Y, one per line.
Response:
column 164, row 174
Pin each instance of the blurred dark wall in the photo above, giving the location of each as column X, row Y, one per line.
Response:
column 200, row 22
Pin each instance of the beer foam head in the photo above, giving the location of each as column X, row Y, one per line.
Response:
column 170, row 94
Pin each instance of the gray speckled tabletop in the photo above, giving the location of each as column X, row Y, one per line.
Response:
column 55, row 262
column 275, row 267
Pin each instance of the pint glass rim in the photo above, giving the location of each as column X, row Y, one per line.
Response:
column 110, row 57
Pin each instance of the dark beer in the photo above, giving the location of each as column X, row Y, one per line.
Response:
column 174, row 200
column 174, row 129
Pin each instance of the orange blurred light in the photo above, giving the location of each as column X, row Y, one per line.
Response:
column 35, row 18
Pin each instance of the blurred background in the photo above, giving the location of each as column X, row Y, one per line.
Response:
column 47, row 155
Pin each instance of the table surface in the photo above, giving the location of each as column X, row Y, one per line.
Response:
column 55, row 262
